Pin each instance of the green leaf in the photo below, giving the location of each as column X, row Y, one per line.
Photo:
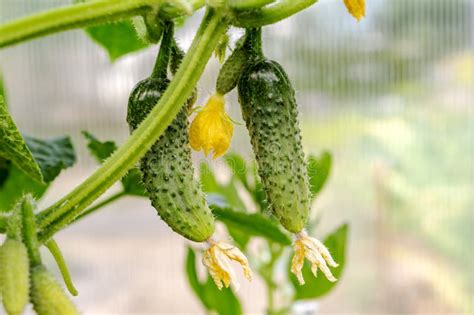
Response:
column 13, row 147
column 208, row 180
column 52, row 155
column 229, row 193
column 317, row 287
column 318, row 172
column 117, row 39
column 221, row 301
column 17, row 184
column 255, row 224
column 193, row 277
column 132, row 183
column 238, row 167
column 101, row 150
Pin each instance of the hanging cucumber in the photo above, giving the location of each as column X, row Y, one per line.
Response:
column 232, row 68
column 270, row 112
column 212, row 128
column 14, row 267
column 167, row 168
column 168, row 172
column 46, row 293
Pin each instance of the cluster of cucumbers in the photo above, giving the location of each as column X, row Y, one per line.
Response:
column 23, row 277
column 269, row 109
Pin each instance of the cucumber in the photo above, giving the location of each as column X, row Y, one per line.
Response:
column 270, row 112
column 232, row 69
column 14, row 264
column 14, row 276
column 246, row 48
column 47, row 295
column 167, row 169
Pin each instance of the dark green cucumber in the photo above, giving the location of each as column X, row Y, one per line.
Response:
column 167, row 169
column 270, row 112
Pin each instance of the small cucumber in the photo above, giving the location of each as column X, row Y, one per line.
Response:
column 47, row 295
column 14, row 276
column 233, row 67
column 167, row 169
column 270, row 112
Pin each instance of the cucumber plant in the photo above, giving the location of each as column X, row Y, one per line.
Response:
column 159, row 141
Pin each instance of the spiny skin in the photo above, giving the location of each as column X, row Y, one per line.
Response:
column 167, row 168
column 231, row 70
column 270, row 113
column 14, row 276
column 47, row 295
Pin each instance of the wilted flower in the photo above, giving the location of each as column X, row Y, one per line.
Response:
column 356, row 8
column 212, row 128
column 217, row 259
column 316, row 253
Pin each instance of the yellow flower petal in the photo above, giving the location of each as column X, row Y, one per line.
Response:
column 212, row 128
column 217, row 260
column 316, row 253
column 356, row 8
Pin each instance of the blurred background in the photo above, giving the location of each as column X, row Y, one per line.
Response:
column 391, row 97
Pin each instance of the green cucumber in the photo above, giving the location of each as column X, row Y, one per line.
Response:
column 232, row 69
column 47, row 295
column 167, row 169
column 14, row 276
column 270, row 112
column 14, row 264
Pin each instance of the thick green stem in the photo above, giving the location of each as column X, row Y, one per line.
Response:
column 253, row 42
column 180, row 88
column 160, row 70
column 270, row 14
column 86, row 14
column 59, row 258
column 248, row 4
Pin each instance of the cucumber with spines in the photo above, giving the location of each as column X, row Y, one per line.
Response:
column 270, row 112
column 14, row 276
column 14, row 265
column 47, row 295
column 233, row 67
column 167, row 169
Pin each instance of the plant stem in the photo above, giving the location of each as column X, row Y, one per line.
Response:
column 175, row 96
column 85, row 14
column 248, row 4
column 100, row 205
column 30, row 238
column 253, row 42
column 160, row 70
column 59, row 258
column 270, row 14
column 267, row 273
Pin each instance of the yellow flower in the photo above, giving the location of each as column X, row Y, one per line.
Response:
column 217, row 259
column 212, row 128
column 316, row 253
column 356, row 8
